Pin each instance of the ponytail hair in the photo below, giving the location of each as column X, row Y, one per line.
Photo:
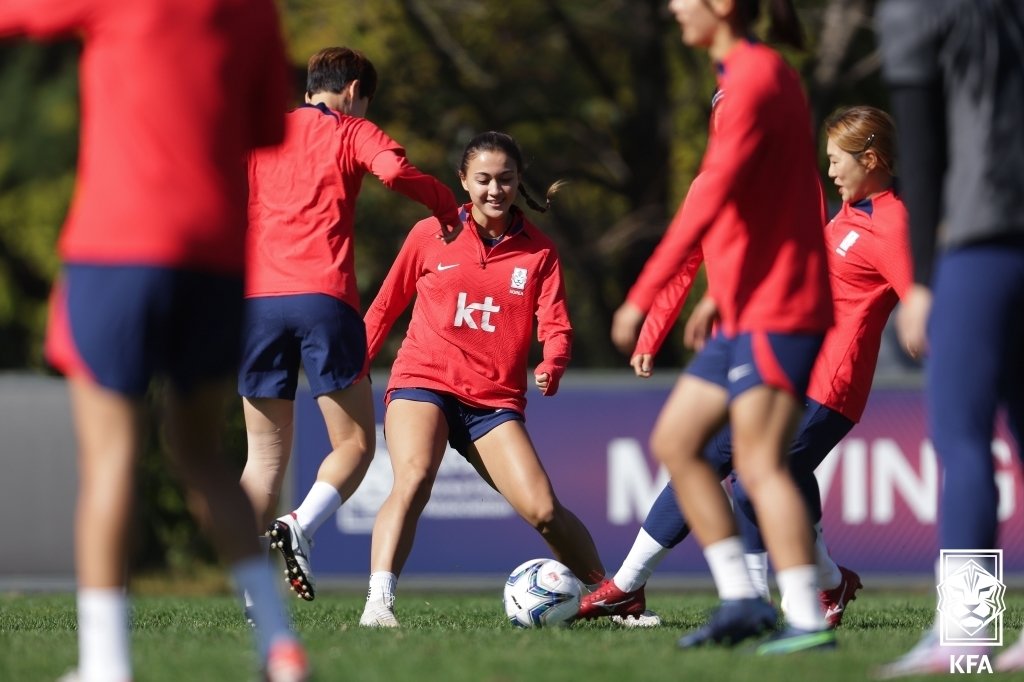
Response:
column 493, row 141
column 552, row 190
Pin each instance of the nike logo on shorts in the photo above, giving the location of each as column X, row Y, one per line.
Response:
column 737, row 373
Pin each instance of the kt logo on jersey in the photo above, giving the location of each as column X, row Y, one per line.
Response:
column 464, row 313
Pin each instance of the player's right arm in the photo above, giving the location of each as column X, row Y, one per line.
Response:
column 666, row 307
column 386, row 159
column 398, row 288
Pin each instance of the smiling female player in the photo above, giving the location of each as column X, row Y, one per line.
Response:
column 459, row 377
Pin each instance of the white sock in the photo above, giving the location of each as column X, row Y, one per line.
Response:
column 104, row 651
column 252, row 576
column 757, row 567
column 382, row 587
column 829, row 576
column 639, row 564
column 322, row 500
column 265, row 553
column 725, row 558
column 800, row 604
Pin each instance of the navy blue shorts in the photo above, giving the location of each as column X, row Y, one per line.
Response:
column 746, row 360
column 323, row 334
column 466, row 424
column 123, row 325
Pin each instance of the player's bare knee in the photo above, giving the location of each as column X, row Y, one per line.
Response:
column 541, row 515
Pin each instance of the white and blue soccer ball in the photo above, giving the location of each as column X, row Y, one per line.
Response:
column 542, row 593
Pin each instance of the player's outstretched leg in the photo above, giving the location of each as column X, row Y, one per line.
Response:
column 287, row 537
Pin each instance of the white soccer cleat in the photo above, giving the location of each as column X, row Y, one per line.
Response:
column 287, row 537
column 928, row 657
column 647, row 619
column 379, row 614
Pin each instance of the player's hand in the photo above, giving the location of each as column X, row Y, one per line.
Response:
column 450, row 231
column 912, row 321
column 701, row 322
column 626, row 327
column 543, row 382
column 643, row 364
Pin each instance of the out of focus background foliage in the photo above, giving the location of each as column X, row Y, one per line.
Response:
column 601, row 93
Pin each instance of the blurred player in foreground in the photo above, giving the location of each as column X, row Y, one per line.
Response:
column 956, row 75
column 302, row 303
column 869, row 267
column 173, row 97
column 769, row 280
column 460, row 375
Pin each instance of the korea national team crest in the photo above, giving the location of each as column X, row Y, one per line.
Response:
column 518, row 282
column 971, row 597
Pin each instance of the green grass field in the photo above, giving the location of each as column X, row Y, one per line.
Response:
column 455, row 638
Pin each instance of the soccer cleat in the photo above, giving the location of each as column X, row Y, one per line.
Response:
column 609, row 600
column 732, row 622
column 793, row 640
column 287, row 662
column 834, row 601
column 1012, row 659
column 647, row 619
column 379, row 613
column 250, row 621
column 287, row 537
column 927, row 657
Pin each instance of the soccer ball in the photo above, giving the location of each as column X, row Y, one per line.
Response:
column 541, row 593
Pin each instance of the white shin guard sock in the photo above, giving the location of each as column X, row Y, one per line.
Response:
column 639, row 564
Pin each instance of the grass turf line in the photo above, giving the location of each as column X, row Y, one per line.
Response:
column 457, row 638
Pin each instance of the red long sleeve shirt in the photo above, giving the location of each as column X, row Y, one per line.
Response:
column 472, row 321
column 759, row 215
column 174, row 95
column 302, row 201
column 869, row 267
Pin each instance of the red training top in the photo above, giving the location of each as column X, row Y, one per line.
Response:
column 869, row 263
column 174, row 94
column 760, row 212
column 869, row 266
column 472, row 322
column 303, row 197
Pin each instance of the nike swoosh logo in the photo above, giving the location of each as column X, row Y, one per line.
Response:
column 840, row 604
column 441, row 268
column 737, row 373
column 604, row 604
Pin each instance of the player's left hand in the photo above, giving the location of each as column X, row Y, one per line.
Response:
column 643, row 364
column 543, row 381
column 912, row 321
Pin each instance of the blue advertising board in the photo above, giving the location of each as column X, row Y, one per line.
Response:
column 879, row 489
